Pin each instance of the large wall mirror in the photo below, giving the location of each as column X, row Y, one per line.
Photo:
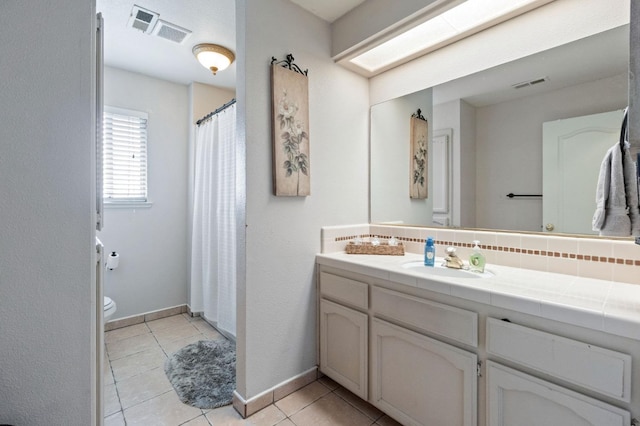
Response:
column 492, row 134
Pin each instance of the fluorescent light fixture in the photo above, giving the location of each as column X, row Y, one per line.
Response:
column 461, row 21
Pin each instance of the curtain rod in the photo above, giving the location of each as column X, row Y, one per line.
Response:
column 211, row 114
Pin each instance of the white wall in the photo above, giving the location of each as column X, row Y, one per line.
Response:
column 509, row 148
column 465, row 159
column 152, row 242
column 46, row 224
column 391, row 158
column 205, row 98
column 276, row 288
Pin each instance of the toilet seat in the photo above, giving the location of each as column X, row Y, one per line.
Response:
column 108, row 303
column 109, row 308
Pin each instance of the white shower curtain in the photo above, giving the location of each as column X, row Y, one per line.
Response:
column 213, row 236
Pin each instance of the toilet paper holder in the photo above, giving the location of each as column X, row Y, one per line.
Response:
column 113, row 260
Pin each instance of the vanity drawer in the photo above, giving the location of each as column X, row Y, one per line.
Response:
column 432, row 317
column 601, row 370
column 345, row 290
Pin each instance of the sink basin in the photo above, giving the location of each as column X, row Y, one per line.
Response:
column 443, row 271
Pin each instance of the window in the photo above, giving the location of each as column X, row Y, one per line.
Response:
column 124, row 156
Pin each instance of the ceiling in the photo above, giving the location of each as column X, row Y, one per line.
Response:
column 592, row 58
column 211, row 21
column 329, row 10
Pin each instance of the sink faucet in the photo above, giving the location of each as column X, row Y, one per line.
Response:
column 452, row 260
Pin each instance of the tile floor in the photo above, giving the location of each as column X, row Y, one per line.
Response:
column 137, row 391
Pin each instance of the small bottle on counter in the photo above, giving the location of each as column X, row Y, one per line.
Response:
column 476, row 260
column 429, row 252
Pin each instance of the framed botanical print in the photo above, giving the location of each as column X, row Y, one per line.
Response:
column 419, row 157
column 290, row 112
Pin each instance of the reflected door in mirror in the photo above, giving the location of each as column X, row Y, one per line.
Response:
column 573, row 150
column 442, row 177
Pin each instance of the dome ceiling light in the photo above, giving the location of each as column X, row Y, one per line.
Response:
column 213, row 56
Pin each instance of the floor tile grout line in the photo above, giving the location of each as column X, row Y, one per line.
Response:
column 147, row 400
column 192, row 419
column 312, row 402
column 134, row 335
column 288, row 417
column 356, row 408
column 160, row 346
column 200, row 336
column 116, row 387
column 202, row 413
column 120, row 381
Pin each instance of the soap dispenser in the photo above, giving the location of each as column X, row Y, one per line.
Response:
column 476, row 260
column 429, row 252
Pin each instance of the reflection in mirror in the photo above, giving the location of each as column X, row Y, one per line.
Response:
column 390, row 161
column 573, row 149
column 497, row 136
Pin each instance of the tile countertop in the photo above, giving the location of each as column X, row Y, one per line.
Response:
column 600, row 305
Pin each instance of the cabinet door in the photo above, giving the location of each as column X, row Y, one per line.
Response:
column 584, row 364
column 518, row 399
column 422, row 381
column 343, row 346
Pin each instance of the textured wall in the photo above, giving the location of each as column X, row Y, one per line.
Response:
column 276, row 293
column 46, row 229
column 205, row 98
column 152, row 242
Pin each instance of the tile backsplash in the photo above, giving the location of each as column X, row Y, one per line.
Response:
column 606, row 259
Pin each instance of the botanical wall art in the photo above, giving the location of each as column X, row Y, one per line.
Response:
column 290, row 112
column 418, row 152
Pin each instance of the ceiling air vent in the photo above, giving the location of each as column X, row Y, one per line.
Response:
column 530, row 83
column 142, row 19
column 171, row 31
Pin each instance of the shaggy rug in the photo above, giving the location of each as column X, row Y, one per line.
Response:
column 204, row 373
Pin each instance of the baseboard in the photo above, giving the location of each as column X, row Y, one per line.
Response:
column 146, row 317
column 248, row 407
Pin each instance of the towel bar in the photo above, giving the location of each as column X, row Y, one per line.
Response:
column 511, row 195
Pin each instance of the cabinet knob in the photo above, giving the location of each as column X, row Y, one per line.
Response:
column 549, row 227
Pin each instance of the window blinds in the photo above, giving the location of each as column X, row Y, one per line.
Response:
column 124, row 155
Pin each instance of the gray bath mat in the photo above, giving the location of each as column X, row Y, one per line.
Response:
column 204, row 373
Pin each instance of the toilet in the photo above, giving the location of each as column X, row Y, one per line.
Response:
column 109, row 308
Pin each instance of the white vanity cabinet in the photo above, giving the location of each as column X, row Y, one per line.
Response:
column 518, row 399
column 381, row 351
column 515, row 398
column 426, row 357
column 421, row 381
column 344, row 332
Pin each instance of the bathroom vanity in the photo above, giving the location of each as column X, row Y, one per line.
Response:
column 513, row 346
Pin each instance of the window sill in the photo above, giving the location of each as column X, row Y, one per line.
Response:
column 127, row 204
